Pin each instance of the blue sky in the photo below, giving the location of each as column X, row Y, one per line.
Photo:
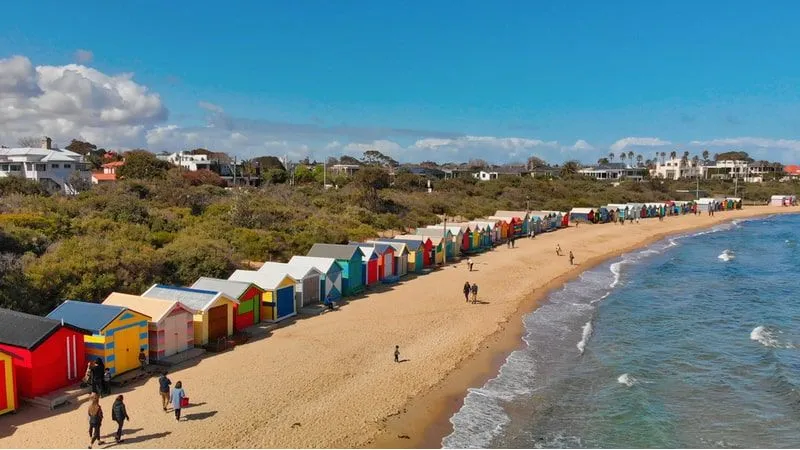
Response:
column 421, row 80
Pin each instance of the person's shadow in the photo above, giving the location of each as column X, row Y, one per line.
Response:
column 404, row 360
column 137, row 439
column 200, row 416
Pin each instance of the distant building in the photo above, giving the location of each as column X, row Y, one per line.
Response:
column 676, row 169
column 749, row 172
column 347, row 170
column 188, row 161
column 427, row 172
column 54, row 168
column 791, row 172
column 108, row 172
column 457, row 172
column 614, row 171
column 546, row 172
column 498, row 172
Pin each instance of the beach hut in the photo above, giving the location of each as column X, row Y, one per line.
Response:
column 387, row 249
column 330, row 278
column 581, row 215
column 451, row 241
column 349, row 259
column 118, row 333
column 514, row 225
column 462, row 236
column 170, row 329
column 385, row 254
column 415, row 256
column 482, row 234
column 522, row 216
column 602, row 215
column 8, row 384
column 307, row 292
column 432, row 248
column 47, row 354
column 705, row 204
column 212, row 310
column 492, row 228
column 778, row 200
column 622, row 209
column 278, row 300
column 247, row 310
column 369, row 265
column 505, row 228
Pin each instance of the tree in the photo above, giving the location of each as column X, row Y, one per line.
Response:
column 376, row 158
column 705, row 155
column 639, row 159
column 274, row 176
column 663, row 155
column 622, row 156
column 534, row 162
column 477, row 164
column 268, row 162
column 602, row 161
column 81, row 147
column 369, row 181
column 28, row 141
column 611, row 156
column 733, row 156
column 142, row 165
column 349, row 160
column 200, row 177
column 695, row 160
column 673, row 154
column 570, row 168
column 189, row 257
column 630, row 155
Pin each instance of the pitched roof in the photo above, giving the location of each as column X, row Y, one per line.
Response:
column 367, row 251
column 156, row 308
column 25, row 330
column 89, row 316
column 519, row 214
column 581, row 210
column 436, row 240
column 114, row 164
column 233, row 289
column 194, row 299
column 296, row 271
column 334, row 251
column 381, row 248
column 412, row 244
column 264, row 280
column 432, row 232
column 322, row 264
column 396, row 246
column 101, row 176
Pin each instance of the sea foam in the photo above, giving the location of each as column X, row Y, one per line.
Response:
column 587, row 333
column 727, row 255
column 626, row 379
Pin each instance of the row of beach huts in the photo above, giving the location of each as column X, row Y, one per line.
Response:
column 39, row 355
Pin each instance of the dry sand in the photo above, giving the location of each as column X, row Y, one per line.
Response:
column 330, row 381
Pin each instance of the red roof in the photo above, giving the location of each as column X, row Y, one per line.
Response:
column 100, row 176
column 114, row 164
column 792, row 169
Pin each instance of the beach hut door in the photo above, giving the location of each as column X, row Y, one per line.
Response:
column 3, row 386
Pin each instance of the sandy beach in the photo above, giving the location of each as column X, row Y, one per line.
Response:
column 330, row 381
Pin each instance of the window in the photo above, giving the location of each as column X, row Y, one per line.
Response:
column 3, row 167
column 16, row 168
column 41, row 167
column 54, row 166
column 67, row 166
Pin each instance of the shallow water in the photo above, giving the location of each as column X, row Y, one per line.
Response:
column 691, row 342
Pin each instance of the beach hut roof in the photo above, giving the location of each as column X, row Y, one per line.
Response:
column 233, row 289
column 581, row 210
column 89, row 316
column 778, row 197
column 194, row 299
column 435, row 240
column 504, row 218
column 264, row 280
column 736, row 199
column 156, row 308
column 336, row 251
column 412, row 244
column 430, row 232
column 26, row 330
column 520, row 214
column 380, row 247
column 453, row 228
column 319, row 263
column 296, row 271
column 400, row 248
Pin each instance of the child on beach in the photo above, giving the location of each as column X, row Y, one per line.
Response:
column 142, row 359
column 397, row 353
column 467, row 288
column 177, row 396
column 571, row 258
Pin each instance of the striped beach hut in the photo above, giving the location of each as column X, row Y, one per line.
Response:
column 118, row 333
column 170, row 329
column 8, row 384
column 278, row 299
column 331, row 278
column 212, row 310
column 349, row 259
column 247, row 310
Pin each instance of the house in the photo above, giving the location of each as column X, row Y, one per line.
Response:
column 212, row 310
column 349, row 259
column 171, row 326
column 677, row 169
column 347, row 170
column 47, row 354
column 189, row 161
column 498, row 172
column 54, row 168
column 118, row 334
column 8, row 384
column 278, row 298
column 307, row 292
column 108, row 172
column 450, row 173
column 330, row 278
column 427, row 172
column 247, row 310
column 408, row 251
column 614, row 172
column 791, row 172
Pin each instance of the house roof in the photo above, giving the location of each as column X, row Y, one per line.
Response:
column 114, row 164
column 100, row 176
column 435, row 240
column 194, row 299
column 264, row 280
column 89, row 316
column 581, row 210
column 381, row 248
column 26, row 330
column 368, row 251
column 41, row 154
column 335, row 251
column 520, row 214
column 431, row 232
column 156, row 308
column 412, row 244
column 399, row 247
column 296, row 271
column 233, row 289
column 792, row 169
column 322, row 264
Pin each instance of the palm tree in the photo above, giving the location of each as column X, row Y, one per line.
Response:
column 705, row 155
column 639, row 159
column 570, row 168
column 673, row 154
column 663, row 154
column 630, row 155
column 622, row 156
column 695, row 160
column 611, row 156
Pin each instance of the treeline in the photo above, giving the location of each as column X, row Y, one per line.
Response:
column 165, row 226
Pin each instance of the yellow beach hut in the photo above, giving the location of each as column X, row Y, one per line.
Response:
column 278, row 299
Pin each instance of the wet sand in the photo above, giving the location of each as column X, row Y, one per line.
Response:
column 330, row 381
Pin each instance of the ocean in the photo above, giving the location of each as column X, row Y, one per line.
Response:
column 691, row 342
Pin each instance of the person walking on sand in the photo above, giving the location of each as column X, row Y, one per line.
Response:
column 177, row 396
column 107, row 382
column 469, row 264
column 98, row 371
column 397, row 353
column 571, row 258
column 558, row 249
column 142, row 359
column 163, row 389
column 95, row 420
column 119, row 414
column 474, row 291
column 467, row 288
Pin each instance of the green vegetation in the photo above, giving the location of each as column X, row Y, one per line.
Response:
column 162, row 226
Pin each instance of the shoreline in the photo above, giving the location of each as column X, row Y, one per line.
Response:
column 425, row 419
column 330, row 381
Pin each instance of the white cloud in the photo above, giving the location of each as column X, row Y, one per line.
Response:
column 74, row 101
column 751, row 142
column 624, row 143
column 208, row 106
column 83, row 56
column 580, row 146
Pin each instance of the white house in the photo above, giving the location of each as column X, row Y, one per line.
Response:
column 676, row 169
column 614, row 171
column 188, row 161
column 748, row 172
column 54, row 168
column 497, row 172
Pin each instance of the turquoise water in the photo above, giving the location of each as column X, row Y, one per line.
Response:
column 691, row 342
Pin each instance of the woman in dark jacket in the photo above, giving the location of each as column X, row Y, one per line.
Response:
column 119, row 414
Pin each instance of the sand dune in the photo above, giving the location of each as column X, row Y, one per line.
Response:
column 330, row 381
